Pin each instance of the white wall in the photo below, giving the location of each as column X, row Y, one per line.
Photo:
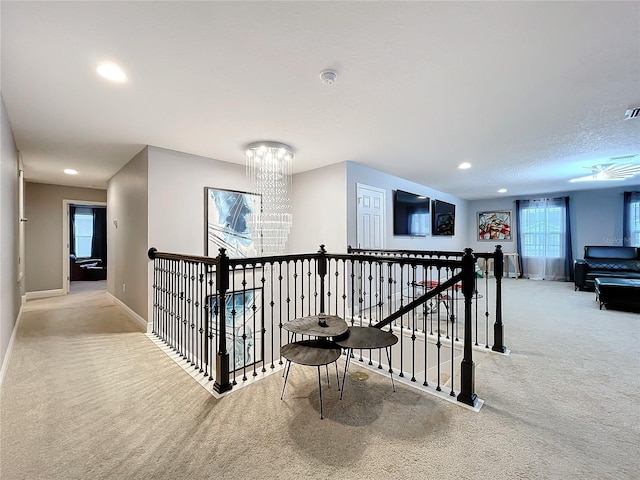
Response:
column 359, row 174
column 9, row 244
column 177, row 197
column 319, row 202
column 596, row 217
column 127, row 234
column 43, row 231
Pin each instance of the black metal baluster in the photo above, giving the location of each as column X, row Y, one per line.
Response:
column 413, row 327
column 210, row 321
column 234, row 327
column 477, row 297
column 310, row 297
column 191, row 300
column 280, row 308
column 353, row 291
column 467, row 368
column 200, row 310
column 183, row 310
column 486, row 302
column 390, row 291
column 244, row 324
column 378, row 292
column 161, row 298
column 337, row 287
column 255, row 315
column 295, row 289
column 175, row 320
column 321, row 271
column 452, row 306
column 426, row 339
column 272, row 305
column 455, row 326
column 371, row 292
column 262, row 329
column 175, row 316
column 164, row 301
column 222, row 383
column 439, row 331
column 155, row 297
column 498, row 327
column 409, row 289
column 187, row 313
column 453, row 344
column 178, row 300
column 167, row 301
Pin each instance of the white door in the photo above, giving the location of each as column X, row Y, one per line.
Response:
column 370, row 215
column 370, row 235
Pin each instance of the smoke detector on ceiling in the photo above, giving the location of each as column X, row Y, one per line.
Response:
column 328, row 77
column 632, row 113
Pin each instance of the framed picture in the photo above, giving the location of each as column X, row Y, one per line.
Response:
column 493, row 226
column 242, row 327
column 227, row 222
column 444, row 218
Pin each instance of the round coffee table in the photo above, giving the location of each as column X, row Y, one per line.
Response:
column 368, row 338
column 317, row 326
column 313, row 353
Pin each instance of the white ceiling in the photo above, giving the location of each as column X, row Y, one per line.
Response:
column 530, row 93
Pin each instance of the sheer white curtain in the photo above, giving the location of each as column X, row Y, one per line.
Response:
column 631, row 219
column 544, row 238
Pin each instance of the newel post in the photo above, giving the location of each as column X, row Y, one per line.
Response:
column 467, row 368
column 322, row 272
column 498, row 327
column 221, row 383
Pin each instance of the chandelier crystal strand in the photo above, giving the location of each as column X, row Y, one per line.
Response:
column 269, row 168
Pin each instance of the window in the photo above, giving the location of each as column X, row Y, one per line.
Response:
column 83, row 232
column 544, row 238
column 632, row 219
column 542, row 232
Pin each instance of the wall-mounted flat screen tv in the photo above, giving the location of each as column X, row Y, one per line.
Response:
column 411, row 214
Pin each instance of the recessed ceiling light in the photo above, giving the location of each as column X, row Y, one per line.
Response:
column 464, row 166
column 111, row 72
column 502, row 190
column 70, row 171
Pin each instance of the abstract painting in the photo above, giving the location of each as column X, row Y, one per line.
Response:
column 494, row 226
column 241, row 308
column 227, row 214
column 444, row 218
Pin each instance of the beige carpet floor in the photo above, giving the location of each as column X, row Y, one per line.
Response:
column 88, row 396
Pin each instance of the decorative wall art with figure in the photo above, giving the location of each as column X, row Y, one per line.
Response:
column 226, row 221
column 494, row 225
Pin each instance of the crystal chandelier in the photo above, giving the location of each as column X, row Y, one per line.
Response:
column 269, row 168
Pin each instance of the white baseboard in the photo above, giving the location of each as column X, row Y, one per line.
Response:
column 146, row 326
column 44, row 294
column 7, row 355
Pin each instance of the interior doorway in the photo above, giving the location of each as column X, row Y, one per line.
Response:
column 84, row 245
column 370, row 215
column 370, row 234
